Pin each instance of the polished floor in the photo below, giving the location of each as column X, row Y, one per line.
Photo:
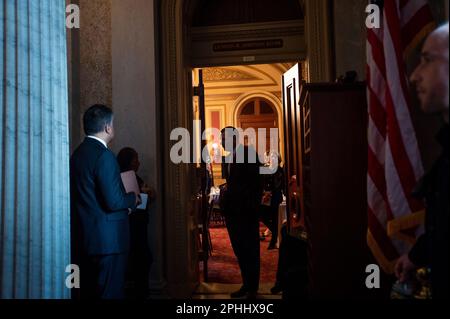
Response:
column 222, row 291
column 223, row 270
column 223, row 267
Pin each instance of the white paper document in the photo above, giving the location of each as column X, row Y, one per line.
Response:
column 144, row 199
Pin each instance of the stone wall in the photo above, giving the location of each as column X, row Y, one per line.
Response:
column 91, row 58
column 134, row 103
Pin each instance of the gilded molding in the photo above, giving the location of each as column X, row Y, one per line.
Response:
column 177, row 178
column 226, row 74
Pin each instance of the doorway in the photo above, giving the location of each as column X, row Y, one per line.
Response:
column 246, row 97
column 184, row 46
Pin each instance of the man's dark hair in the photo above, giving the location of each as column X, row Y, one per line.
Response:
column 230, row 129
column 96, row 118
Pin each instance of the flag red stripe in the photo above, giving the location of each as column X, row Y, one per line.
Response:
column 401, row 160
column 377, row 51
column 376, row 173
column 377, row 113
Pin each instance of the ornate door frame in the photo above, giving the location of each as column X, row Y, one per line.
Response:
column 175, row 108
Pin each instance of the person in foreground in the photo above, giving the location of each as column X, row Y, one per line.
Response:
column 100, row 207
column 432, row 249
column 241, row 203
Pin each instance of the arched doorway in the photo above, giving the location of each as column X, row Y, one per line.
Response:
column 258, row 114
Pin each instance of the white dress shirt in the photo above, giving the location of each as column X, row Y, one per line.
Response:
column 98, row 139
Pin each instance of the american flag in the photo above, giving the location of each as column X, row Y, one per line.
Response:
column 395, row 164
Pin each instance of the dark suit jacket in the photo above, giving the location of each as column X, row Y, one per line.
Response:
column 431, row 249
column 99, row 202
column 244, row 184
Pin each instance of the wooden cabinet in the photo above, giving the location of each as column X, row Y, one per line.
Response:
column 332, row 160
column 334, row 187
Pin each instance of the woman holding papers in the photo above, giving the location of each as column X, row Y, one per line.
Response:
column 140, row 258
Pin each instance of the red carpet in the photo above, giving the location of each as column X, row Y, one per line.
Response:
column 223, row 266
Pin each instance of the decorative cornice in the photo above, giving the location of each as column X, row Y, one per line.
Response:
column 222, row 97
column 226, row 74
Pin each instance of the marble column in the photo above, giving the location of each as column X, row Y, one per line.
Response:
column 318, row 35
column 34, row 158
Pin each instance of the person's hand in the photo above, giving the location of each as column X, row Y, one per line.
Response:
column 145, row 188
column 138, row 200
column 404, row 268
column 149, row 191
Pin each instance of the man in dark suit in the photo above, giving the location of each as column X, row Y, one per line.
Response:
column 241, row 201
column 100, row 207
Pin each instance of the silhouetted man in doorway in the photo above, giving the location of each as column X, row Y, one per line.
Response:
column 241, row 202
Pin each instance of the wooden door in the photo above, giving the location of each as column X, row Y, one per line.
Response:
column 292, row 118
column 202, row 197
